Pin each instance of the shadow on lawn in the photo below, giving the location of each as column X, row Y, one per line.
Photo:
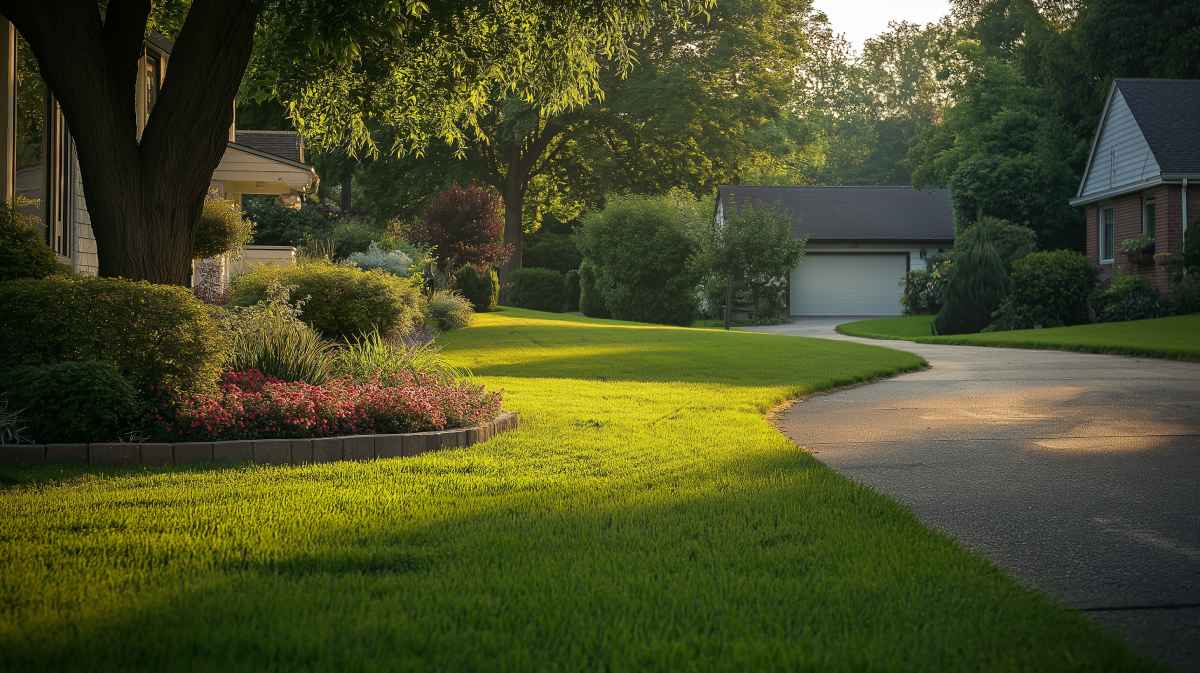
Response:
column 783, row 566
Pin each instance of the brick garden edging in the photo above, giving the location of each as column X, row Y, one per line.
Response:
column 259, row 451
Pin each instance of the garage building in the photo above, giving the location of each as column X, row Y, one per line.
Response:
column 861, row 242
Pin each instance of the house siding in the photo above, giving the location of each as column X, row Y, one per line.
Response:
column 1122, row 157
column 86, row 260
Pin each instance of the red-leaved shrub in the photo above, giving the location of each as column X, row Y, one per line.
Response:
column 251, row 405
column 464, row 225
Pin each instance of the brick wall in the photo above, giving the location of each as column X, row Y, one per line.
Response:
column 1168, row 229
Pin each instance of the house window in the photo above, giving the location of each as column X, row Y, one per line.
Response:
column 42, row 154
column 1149, row 218
column 1108, row 234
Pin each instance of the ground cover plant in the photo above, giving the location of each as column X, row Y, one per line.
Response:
column 644, row 516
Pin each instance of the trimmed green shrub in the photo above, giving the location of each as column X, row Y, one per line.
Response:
column 340, row 302
column 160, row 337
column 23, row 253
column 538, row 289
column 591, row 302
column 1127, row 297
column 1047, row 289
column 271, row 338
column 1185, row 293
column 84, row 401
column 1012, row 241
column 480, row 286
column 275, row 224
column 551, row 250
column 221, row 228
column 571, row 291
column 353, row 234
column 975, row 290
column 448, row 310
column 642, row 257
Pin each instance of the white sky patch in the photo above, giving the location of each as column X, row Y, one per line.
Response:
column 860, row 19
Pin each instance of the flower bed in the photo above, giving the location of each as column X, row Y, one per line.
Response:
column 261, row 451
column 251, row 405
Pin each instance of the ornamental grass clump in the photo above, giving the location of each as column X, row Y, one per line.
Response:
column 271, row 338
column 373, row 358
column 978, row 286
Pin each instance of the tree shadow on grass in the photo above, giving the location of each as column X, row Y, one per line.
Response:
column 771, row 563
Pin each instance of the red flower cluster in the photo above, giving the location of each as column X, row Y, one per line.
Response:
column 252, row 405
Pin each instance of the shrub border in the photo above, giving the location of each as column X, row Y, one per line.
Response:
column 257, row 451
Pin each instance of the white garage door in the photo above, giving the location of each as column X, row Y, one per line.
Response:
column 832, row 284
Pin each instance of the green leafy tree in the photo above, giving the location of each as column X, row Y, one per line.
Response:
column 752, row 250
column 677, row 104
column 1003, row 154
column 145, row 193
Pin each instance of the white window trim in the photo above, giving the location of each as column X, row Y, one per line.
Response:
column 1100, row 235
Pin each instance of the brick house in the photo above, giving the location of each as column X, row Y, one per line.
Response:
column 1143, row 176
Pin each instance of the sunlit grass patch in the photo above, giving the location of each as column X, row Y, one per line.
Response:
column 645, row 516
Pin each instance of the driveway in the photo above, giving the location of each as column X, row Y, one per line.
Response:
column 1077, row 473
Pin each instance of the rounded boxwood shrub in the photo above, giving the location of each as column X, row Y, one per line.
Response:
column 1047, row 289
column 23, row 253
column 480, row 286
column 85, row 401
column 538, row 289
column 642, row 256
column 160, row 337
column 571, row 290
column 551, row 250
column 221, row 228
column 340, row 302
column 975, row 290
column 1128, row 297
column 1185, row 294
column 591, row 303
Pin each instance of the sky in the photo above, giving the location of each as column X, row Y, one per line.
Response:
column 860, row 19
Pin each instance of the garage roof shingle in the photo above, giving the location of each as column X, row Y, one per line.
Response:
column 854, row 213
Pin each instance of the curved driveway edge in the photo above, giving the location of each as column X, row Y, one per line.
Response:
column 1077, row 473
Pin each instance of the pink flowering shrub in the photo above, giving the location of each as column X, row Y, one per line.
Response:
column 252, row 405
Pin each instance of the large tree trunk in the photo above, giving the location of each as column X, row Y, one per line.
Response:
column 514, row 233
column 144, row 195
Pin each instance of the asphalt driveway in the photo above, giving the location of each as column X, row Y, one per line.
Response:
column 1078, row 473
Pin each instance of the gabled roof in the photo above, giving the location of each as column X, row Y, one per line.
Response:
column 283, row 144
column 1168, row 112
column 854, row 213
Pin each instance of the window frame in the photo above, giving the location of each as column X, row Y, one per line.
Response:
column 1151, row 230
column 1106, row 213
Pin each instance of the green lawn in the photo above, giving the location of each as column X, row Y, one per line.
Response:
column 645, row 516
column 1175, row 338
column 907, row 327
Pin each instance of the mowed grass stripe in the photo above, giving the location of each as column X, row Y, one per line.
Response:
column 645, row 516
